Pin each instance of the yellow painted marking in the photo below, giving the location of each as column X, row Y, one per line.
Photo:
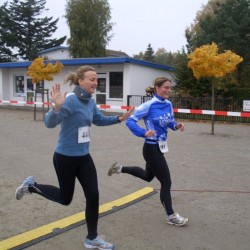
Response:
column 65, row 222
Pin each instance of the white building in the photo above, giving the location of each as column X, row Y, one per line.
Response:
column 118, row 76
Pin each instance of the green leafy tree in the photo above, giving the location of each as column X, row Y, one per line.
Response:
column 5, row 52
column 24, row 32
column 89, row 23
column 139, row 56
column 163, row 57
column 149, row 54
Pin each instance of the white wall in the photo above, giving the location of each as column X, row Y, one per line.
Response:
column 138, row 78
column 1, row 84
column 57, row 54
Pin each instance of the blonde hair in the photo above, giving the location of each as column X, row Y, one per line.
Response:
column 73, row 77
column 158, row 82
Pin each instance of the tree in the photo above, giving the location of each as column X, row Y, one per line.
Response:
column 186, row 83
column 161, row 56
column 5, row 52
column 23, row 31
column 89, row 23
column 225, row 22
column 139, row 56
column 205, row 61
column 149, row 54
column 39, row 71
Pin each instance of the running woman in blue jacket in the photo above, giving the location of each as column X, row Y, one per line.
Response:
column 75, row 113
column 158, row 116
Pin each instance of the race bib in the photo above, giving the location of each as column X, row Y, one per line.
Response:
column 163, row 145
column 84, row 134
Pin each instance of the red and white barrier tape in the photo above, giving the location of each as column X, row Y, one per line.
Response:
column 25, row 102
column 212, row 112
column 176, row 110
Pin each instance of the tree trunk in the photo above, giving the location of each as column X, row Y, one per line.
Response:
column 212, row 107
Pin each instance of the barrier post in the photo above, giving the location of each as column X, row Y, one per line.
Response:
column 42, row 92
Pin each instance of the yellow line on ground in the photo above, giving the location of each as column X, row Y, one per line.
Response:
column 65, row 222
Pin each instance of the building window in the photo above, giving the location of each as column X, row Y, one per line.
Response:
column 116, row 84
column 40, row 85
column 19, row 85
column 101, row 85
column 30, row 85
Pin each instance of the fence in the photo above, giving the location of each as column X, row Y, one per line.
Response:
column 199, row 103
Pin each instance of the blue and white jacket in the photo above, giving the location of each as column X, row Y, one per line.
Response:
column 158, row 115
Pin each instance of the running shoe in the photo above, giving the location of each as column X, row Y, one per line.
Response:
column 177, row 220
column 115, row 168
column 98, row 243
column 24, row 188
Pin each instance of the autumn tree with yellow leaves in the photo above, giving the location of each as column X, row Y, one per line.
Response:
column 39, row 71
column 206, row 61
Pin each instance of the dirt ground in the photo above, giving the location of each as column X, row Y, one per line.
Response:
column 210, row 183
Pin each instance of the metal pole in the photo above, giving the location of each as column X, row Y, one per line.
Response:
column 35, row 107
column 212, row 117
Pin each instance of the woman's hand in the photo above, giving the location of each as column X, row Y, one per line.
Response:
column 126, row 115
column 149, row 133
column 180, row 126
column 57, row 96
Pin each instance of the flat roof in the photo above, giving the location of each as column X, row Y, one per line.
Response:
column 92, row 61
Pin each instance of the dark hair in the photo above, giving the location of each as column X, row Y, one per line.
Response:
column 158, row 82
column 73, row 77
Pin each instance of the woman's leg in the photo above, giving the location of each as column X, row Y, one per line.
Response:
column 87, row 177
column 158, row 165
column 65, row 167
column 144, row 174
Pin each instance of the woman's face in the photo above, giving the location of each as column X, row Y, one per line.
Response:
column 164, row 90
column 89, row 83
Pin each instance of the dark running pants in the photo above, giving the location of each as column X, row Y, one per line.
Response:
column 156, row 166
column 68, row 168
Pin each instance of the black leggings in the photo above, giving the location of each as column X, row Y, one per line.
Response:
column 156, row 166
column 68, row 168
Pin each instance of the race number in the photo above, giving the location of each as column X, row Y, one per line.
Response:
column 84, row 134
column 163, row 145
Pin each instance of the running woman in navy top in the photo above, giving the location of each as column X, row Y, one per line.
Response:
column 75, row 112
column 158, row 116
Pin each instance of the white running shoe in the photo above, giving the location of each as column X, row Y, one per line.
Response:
column 98, row 243
column 177, row 220
column 115, row 168
column 24, row 188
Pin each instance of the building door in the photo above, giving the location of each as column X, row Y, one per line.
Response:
column 100, row 94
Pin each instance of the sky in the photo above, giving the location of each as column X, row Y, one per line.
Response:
column 161, row 23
